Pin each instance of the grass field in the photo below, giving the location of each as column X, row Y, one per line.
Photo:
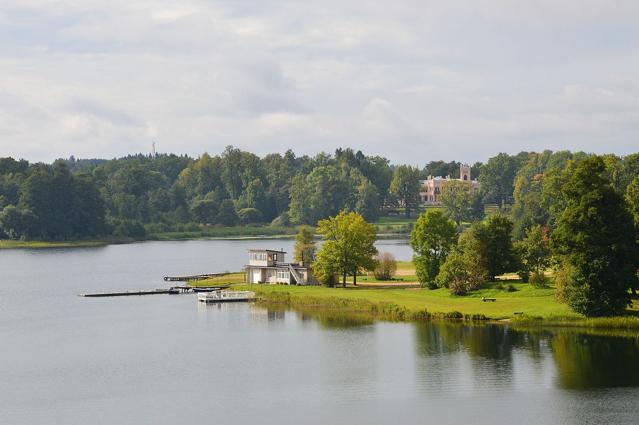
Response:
column 526, row 299
column 396, row 224
column 228, row 279
column 534, row 306
column 13, row 244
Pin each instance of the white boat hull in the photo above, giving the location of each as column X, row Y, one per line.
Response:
column 226, row 296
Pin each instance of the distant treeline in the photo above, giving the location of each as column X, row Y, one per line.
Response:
column 89, row 198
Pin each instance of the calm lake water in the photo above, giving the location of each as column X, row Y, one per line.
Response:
column 167, row 360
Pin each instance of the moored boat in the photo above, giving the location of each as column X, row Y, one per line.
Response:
column 221, row 296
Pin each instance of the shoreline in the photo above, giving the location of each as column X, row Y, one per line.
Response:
column 35, row 244
column 365, row 302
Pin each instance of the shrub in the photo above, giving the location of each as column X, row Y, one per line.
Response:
column 562, row 277
column 424, row 269
column 249, row 215
column 524, row 275
column 157, row 228
column 475, row 317
column 462, row 271
column 227, row 215
column 204, row 211
column 129, row 228
column 281, row 220
column 511, row 288
column 538, row 279
column 329, row 280
column 386, row 266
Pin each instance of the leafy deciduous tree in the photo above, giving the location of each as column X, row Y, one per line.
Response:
column 304, row 251
column 432, row 239
column 534, row 254
column 405, row 186
column 595, row 239
column 349, row 246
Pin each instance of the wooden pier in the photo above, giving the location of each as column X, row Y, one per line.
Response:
column 127, row 293
column 171, row 291
column 193, row 277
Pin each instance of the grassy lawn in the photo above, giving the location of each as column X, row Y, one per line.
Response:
column 395, row 224
column 526, row 299
column 405, row 276
column 228, row 279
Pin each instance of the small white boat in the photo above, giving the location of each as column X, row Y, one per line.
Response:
column 221, row 296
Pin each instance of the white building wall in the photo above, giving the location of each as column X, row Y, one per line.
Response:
column 257, row 276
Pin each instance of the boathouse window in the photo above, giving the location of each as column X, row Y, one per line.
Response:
column 258, row 256
column 282, row 274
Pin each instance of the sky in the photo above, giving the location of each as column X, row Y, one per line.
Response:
column 414, row 81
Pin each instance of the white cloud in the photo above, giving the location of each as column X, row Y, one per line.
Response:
column 413, row 80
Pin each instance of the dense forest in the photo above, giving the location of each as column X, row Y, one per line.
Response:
column 140, row 194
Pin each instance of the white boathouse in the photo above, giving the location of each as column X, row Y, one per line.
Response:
column 268, row 266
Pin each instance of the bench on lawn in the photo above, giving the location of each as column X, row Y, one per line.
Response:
column 484, row 299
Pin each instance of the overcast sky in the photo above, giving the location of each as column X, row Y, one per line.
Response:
column 411, row 80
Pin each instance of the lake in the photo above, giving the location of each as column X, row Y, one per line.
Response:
column 166, row 359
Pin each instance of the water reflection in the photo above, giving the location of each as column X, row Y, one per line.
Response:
column 589, row 361
column 581, row 360
column 470, row 357
column 331, row 319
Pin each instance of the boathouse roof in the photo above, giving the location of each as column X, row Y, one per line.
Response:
column 268, row 250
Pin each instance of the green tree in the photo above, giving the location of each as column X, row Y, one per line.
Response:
column 463, row 270
column 432, row 238
column 348, row 248
column 497, row 178
column 16, row 223
column 304, row 251
column 377, row 170
column 595, row 239
column 204, row 211
column 441, row 169
column 320, row 194
column 227, row 215
column 630, row 168
column 457, row 201
column 405, row 187
column 534, row 254
column 368, row 200
column 495, row 245
column 250, row 216
column 632, row 199
column 254, row 196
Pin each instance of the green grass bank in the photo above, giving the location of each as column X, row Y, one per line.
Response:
column 525, row 306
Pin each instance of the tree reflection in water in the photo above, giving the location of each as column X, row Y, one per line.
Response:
column 484, row 354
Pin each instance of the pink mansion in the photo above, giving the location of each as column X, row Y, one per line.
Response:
column 432, row 187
